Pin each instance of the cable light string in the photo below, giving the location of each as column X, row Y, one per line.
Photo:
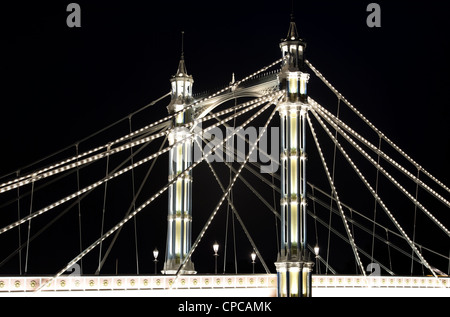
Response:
column 93, row 134
column 382, row 135
column 261, row 101
column 387, row 242
column 335, row 194
column 313, row 197
column 373, row 222
column 56, row 169
column 132, row 206
column 340, row 235
column 145, row 204
column 36, row 175
column 67, row 209
column 374, row 194
column 222, row 199
column 376, row 150
column 381, row 169
column 247, row 233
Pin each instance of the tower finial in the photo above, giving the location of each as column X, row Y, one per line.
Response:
column 182, row 44
column 292, row 11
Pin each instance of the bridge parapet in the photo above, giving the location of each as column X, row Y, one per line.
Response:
column 210, row 283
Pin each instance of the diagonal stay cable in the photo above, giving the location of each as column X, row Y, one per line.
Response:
column 57, row 168
column 382, row 170
column 375, row 195
column 374, row 128
column 91, row 135
column 139, row 209
column 378, row 151
column 67, row 209
column 26, row 179
column 335, row 194
column 145, row 160
column 338, row 234
column 239, row 219
column 222, row 199
column 132, row 206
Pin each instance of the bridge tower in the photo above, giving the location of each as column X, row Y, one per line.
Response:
column 294, row 268
column 179, row 219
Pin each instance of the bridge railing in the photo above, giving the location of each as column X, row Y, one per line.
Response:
column 100, row 283
column 164, row 282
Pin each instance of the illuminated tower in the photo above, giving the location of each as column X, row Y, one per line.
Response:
column 293, row 265
column 179, row 220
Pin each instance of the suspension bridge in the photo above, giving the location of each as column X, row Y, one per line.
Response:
column 363, row 218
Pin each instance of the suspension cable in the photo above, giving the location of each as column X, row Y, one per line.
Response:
column 359, row 114
column 130, row 208
column 79, row 211
column 334, row 192
column 67, row 209
column 134, row 203
column 19, row 231
column 58, row 168
column 103, row 211
column 200, row 236
column 375, row 201
column 372, row 191
column 145, row 204
column 378, row 167
column 375, row 149
column 233, row 208
column 29, row 229
column 145, row 160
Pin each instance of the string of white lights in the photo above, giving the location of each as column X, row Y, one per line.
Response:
column 261, row 100
column 374, row 128
column 338, row 122
column 222, row 199
column 43, row 172
column 247, row 233
column 57, row 168
column 369, row 231
column 146, row 203
column 381, row 169
column 335, row 194
column 374, row 194
column 338, row 234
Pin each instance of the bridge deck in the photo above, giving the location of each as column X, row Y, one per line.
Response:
column 220, row 285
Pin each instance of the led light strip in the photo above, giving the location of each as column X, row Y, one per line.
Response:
column 392, row 179
column 56, row 169
column 145, row 204
column 384, row 137
column 375, row 195
column 42, row 173
column 337, row 122
column 94, row 185
column 335, row 193
column 225, row 194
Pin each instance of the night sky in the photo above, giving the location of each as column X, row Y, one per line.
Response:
column 61, row 84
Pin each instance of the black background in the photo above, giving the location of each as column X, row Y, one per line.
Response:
column 61, row 84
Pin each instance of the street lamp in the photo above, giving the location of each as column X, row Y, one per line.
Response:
column 253, row 255
column 216, row 249
column 316, row 252
column 155, row 255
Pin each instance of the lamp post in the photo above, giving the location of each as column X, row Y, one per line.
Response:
column 155, row 255
column 253, row 255
column 316, row 252
column 216, row 249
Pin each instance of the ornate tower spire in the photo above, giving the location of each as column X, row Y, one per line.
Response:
column 181, row 87
column 179, row 219
column 293, row 267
